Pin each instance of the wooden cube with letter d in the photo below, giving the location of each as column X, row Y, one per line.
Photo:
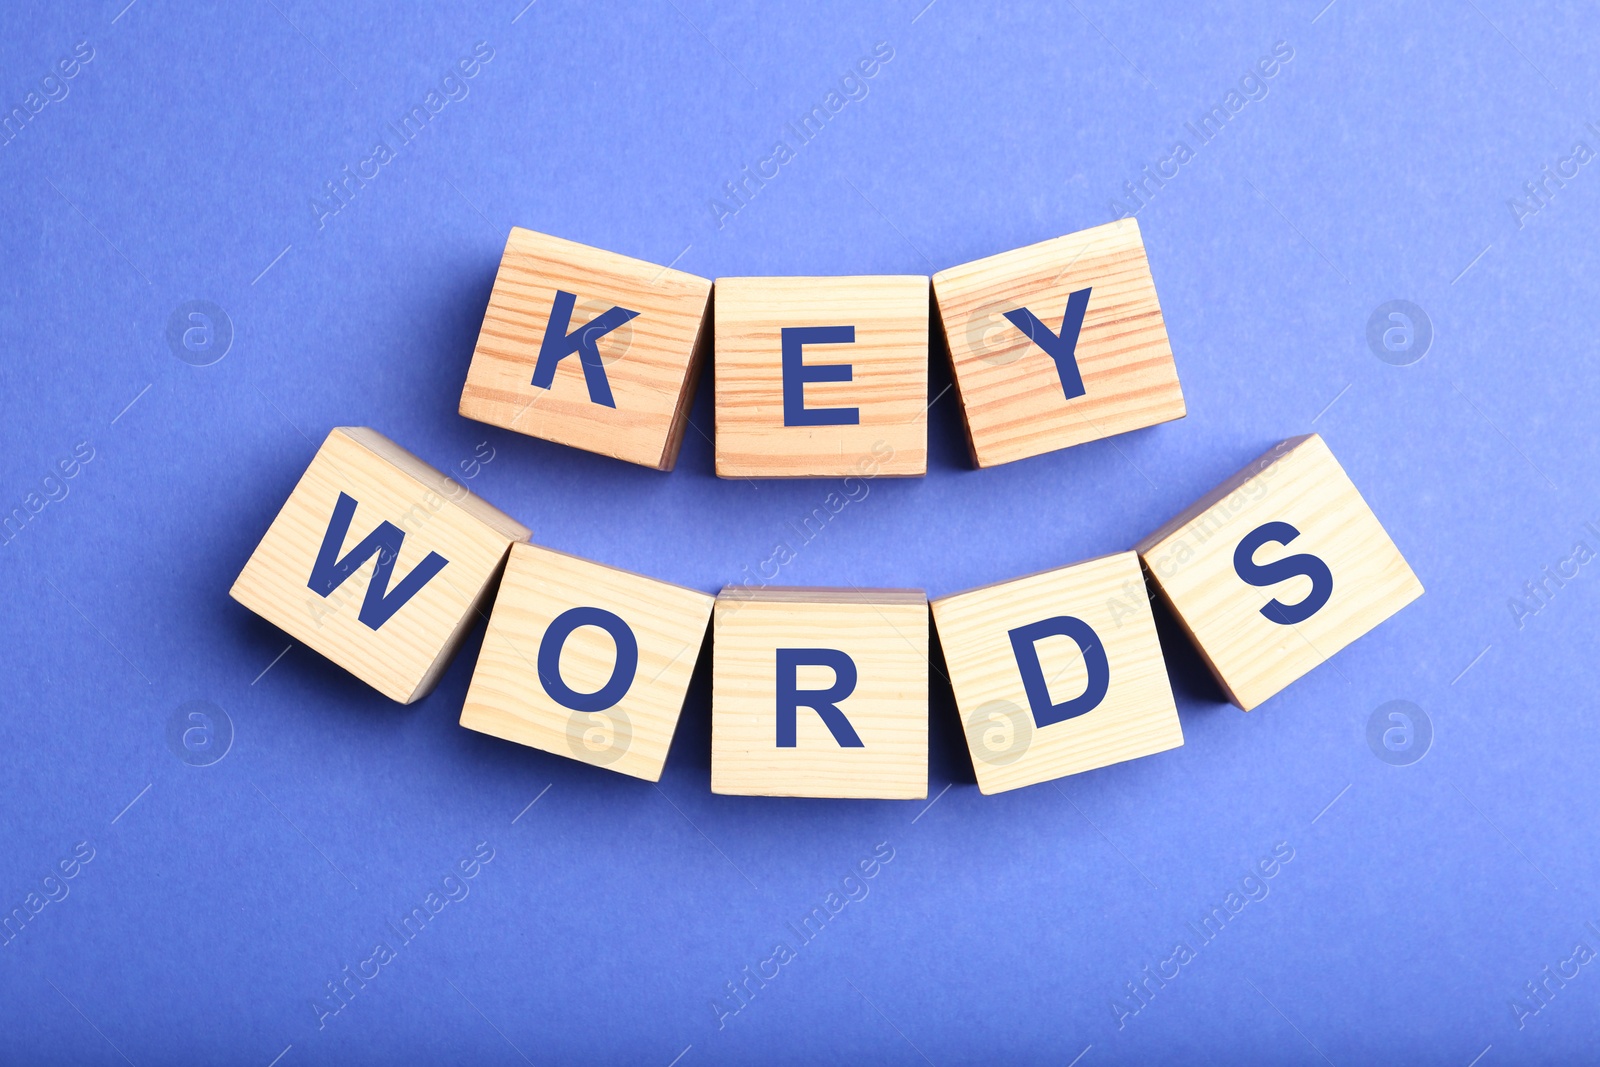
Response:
column 379, row 562
column 1278, row 568
column 1058, row 672
column 820, row 693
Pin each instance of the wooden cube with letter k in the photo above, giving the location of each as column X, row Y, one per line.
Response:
column 1058, row 343
column 589, row 348
column 820, row 693
column 1277, row 569
column 379, row 562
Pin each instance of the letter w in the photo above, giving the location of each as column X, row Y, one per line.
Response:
column 330, row 572
column 1060, row 347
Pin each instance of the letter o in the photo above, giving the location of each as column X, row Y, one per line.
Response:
column 622, row 674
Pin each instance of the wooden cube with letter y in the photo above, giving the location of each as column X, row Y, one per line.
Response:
column 379, row 562
column 821, row 377
column 820, row 693
column 586, row 661
column 1058, row 672
column 1277, row 569
column 589, row 348
column 1058, row 343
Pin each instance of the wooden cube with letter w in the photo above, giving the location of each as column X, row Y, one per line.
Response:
column 379, row 562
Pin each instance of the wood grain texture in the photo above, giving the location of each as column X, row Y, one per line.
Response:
column 1190, row 560
column 651, row 361
column 885, row 633
column 405, row 656
column 1137, row 716
column 1010, row 388
column 888, row 386
column 507, row 699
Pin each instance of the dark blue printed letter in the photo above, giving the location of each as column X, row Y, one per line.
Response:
column 1023, row 642
column 622, row 673
column 796, row 374
column 825, row 702
column 559, row 344
column 329, row 571
column 1262, row 574
column 1060, row 347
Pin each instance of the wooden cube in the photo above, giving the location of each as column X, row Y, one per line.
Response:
column 1278, row 568
column 586, row 661
column 589, row 348
column 1058, row 343
column 820, row 693
column 821, row 377
column 379, row 562
column 1058, row 672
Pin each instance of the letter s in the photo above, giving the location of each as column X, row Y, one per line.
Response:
column 1265, row 574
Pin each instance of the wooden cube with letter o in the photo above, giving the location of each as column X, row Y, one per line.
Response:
column 1278, row 568
column 587, row 661
column 1058, row 673
column 820, row 693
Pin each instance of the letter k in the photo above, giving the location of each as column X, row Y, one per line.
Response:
column 559, row 344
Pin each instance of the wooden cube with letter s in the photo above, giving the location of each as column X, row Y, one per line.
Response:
column 820, row 693
column 589, row 348
column 1277, row 569
column 379, row 562
column 586, row 661
column 1058, row 343
column 1058, row 673
column 816, row 377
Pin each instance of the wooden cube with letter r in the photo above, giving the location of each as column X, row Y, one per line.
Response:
column 817, row 377
column 586, row 661
column 379, row 562
column 1058, row 343
column 589, row 348
column 1058, row 673
column 820, row 693
column 1277, row 569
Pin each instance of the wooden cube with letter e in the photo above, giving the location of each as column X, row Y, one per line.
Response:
column 1058, row 343
column 821, row 377
column 586, row 661
column 820, row 693
column 1277, row 569
column 589, row 348
column 379, row 562
column 1058, row 672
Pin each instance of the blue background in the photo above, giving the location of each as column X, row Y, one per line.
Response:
column 1380, row 165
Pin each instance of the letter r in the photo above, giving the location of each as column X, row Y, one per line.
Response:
column 825, row 702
